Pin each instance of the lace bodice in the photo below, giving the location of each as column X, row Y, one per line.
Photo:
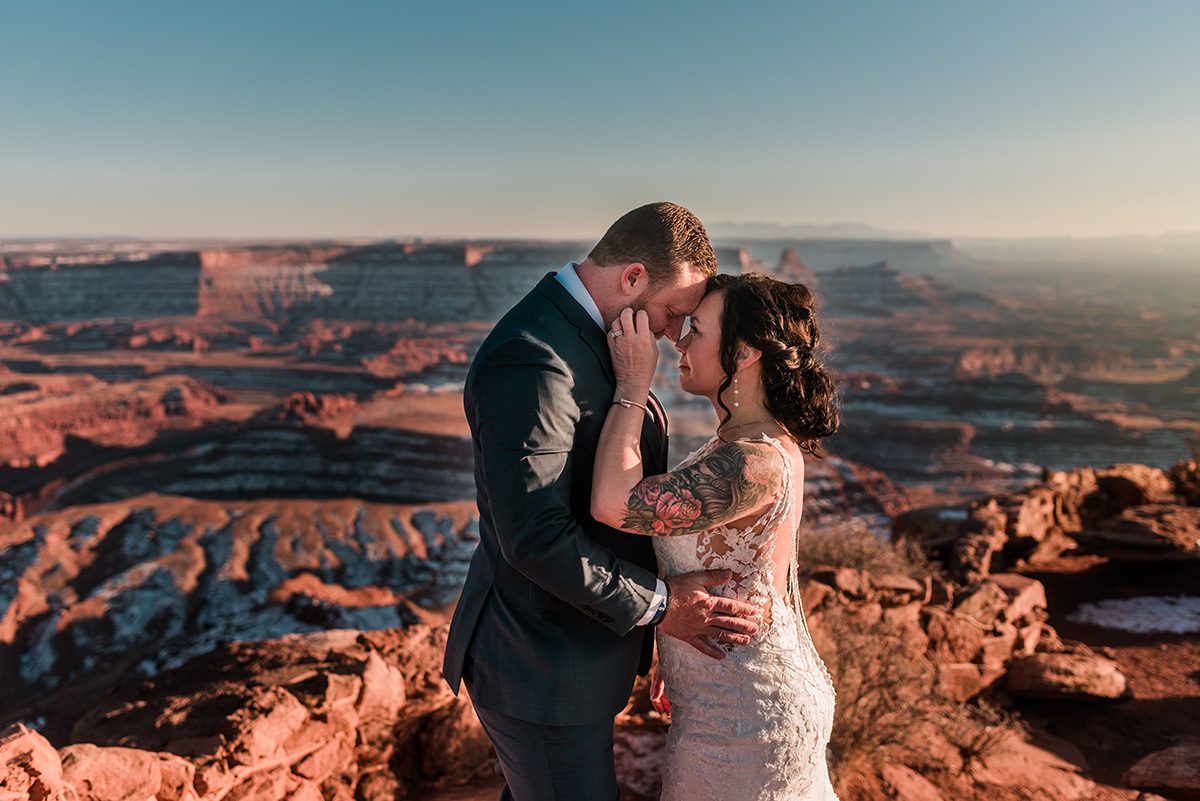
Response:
column 754, row 725
column 749, row 552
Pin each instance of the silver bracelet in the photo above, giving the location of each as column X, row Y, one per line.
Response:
column 627, row 403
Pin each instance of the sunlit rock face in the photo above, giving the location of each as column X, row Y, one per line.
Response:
column 332, row 714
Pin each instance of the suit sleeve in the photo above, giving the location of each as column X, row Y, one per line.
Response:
column 525, row 418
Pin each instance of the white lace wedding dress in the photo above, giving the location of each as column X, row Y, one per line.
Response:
column 753, row 726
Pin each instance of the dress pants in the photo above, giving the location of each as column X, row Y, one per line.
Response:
column 552, row 763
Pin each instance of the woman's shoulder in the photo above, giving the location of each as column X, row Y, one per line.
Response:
column 759, row 459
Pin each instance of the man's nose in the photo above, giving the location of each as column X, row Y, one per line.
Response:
column 674, row 329
column 681, row 343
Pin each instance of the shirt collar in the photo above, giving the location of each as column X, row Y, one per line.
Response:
column 569, row 278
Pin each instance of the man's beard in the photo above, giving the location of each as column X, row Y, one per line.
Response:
column 641, row 300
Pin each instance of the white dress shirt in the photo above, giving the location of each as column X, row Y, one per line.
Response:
column 571, row 282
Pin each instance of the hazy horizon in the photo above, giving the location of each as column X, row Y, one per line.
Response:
column 303, row 121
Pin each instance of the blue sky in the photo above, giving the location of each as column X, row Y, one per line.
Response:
column 524, row 119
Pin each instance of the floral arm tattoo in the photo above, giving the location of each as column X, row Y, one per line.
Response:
column 730, row 482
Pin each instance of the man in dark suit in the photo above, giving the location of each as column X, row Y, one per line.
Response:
column 557, row 612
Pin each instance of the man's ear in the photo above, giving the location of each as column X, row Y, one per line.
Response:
column 747, row 355
column 634, row 279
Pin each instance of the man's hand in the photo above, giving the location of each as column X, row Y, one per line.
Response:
column 694, row 613
column 658, row 693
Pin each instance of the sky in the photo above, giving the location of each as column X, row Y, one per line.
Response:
column 518, row 119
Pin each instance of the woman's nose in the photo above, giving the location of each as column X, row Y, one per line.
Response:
column 682, row 343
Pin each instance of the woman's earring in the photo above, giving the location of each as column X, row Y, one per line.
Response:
column 735, row 392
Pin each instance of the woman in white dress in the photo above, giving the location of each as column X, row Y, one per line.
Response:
column 754, row 725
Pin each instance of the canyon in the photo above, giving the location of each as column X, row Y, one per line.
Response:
column 237, row 502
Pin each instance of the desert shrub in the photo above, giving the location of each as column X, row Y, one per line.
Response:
column 851, row 544
column 887, row 701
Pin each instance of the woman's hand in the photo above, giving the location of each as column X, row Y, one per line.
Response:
column 658, row 693
column 634, row 353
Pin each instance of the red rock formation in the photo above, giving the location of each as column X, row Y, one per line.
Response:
column 793, row 269
column 337, row 714
column 1109, row 509
column 313, row 409
column 35, row 425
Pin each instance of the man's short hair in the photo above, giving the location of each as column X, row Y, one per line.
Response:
column 661, row 236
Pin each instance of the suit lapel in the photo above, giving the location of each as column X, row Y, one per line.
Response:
column 653, row 447
column 589, row 332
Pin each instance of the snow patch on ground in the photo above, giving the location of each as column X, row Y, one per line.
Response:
column 1177, row 614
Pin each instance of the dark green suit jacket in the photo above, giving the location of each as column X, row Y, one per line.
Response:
column 545, row 628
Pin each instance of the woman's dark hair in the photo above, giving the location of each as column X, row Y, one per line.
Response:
column 779, row 319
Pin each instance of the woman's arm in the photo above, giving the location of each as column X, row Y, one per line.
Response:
column 731, row 482
column 618, row 464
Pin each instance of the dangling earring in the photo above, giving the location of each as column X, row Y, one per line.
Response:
column 735, row 393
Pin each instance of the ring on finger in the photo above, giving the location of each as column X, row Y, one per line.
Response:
column 615, row 334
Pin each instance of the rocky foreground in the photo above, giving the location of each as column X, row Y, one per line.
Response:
column 339, row 712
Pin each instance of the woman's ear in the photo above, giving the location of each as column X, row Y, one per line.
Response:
column 747, row 355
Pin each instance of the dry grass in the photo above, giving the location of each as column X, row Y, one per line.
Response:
column 887, row 704
column 852, row 544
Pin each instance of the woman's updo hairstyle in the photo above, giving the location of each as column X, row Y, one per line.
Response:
column 778, row 319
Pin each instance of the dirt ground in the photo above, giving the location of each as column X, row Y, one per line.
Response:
column 1163, row 670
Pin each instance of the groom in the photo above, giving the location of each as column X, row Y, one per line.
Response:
column 557, row 613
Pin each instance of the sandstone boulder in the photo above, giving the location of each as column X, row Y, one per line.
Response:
column 962, row 681
column 1017, row 763
column 1031, row 515
column 111, row 774
column 1166, row 529
column 1128, row 485
column 814, row 594
column 997, row 646
column 984, row 603
column 30, row 768
column 1073, row 676
column 1024, row 595
column 1072, row 488
column 1174, row 772
column 978, row 549
column 953, row 637
column 299, row 717
column 897, row 588
column 454, row 744
column 849, row 581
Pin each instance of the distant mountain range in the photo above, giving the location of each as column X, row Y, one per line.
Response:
column 756, row 230
column 1176, row 250
column 1180, row 250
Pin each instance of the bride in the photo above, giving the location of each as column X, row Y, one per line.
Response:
column 755, row 724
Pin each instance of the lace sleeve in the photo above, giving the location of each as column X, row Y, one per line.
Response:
column 750, row 552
